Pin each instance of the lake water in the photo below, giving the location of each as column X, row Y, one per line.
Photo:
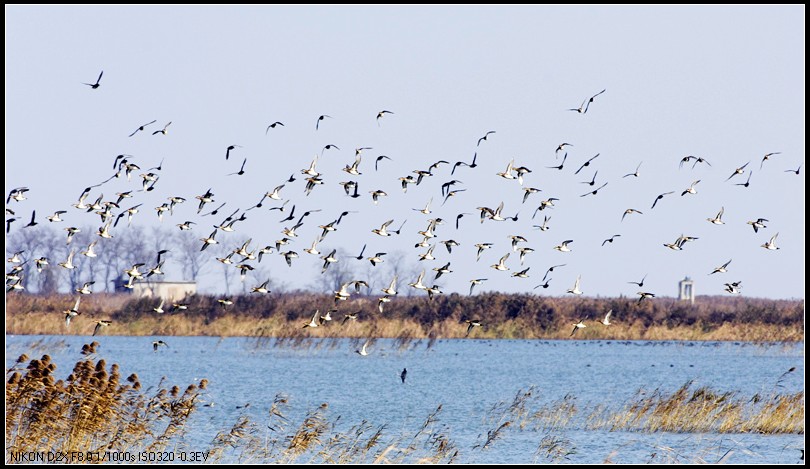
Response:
column 467, row 377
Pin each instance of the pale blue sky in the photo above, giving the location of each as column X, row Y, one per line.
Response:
column 724, row 83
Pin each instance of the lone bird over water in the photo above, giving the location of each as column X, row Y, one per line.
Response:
column 403, row 375
column 157, row 344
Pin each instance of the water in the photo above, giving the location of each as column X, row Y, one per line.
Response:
column 467, row 377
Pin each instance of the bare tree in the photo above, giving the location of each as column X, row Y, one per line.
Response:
column 191, row 257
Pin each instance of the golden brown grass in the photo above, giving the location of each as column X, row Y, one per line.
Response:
column 704, row 410
column 502, row 316
column 90, row 410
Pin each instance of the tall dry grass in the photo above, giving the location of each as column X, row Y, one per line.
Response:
column 93, row 409
column 516, row 316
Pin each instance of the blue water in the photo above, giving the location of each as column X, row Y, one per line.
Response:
column 468, row 378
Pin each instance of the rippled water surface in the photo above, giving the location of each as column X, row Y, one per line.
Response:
column 467, row 377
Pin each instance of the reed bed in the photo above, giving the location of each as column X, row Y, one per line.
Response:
column 94, row 409
column 502, row 316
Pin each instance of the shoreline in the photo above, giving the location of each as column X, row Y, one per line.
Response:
column 502, row 316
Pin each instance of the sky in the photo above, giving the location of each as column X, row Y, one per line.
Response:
column 723, row 83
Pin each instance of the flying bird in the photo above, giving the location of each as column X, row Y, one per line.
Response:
column 101, row 323
column 606, row 320
column 690, row 189
column 587, row 163
column 320, row 118
column 767, row 157
column 162, row 131
column 140, row 129
column 272, row 126
column 376, row 162
column 560, row 167
column 771, row 244
column 634, row 174
column 644, row 296
column 381, row 114
column 717, row 220
column 641, row 283
column 721, row 269
column 484, row 137
column 737, row 171
column 72, row 312
column 747, row 182
column 563, row 247
column 228, row 150
column 363, row 351
column 578, row 325
column 595, row 191
column 476, row 281
column 551, row 269
column 610, row 240
column 630, row 211
column 576, row 290
column 97, row 83
column 659, row 197
column 795, row 171
column 472, row 324
column 241, row 169
column 158, row 343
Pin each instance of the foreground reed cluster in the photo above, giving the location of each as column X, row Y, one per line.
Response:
column 93, row 409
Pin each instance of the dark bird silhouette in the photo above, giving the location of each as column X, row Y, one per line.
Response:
column 228, row 150
column 403, row 375
column 610, row 240
column 484, row 137
column 560, row 167
column 272, row 126
column 329, row 147
column 634, row 174
column 461, row 163
column 458, row 217
column 97, row 83
column 747, row 182
column 590, row 100
column 641, row 283
column 320, row 118
column 378, row 160
column 241, row 170
column 593, row 192
column 583, row 108
column 660, row 196
column 795, row 171
column 33, row 221
column 551, row 269
column 587, row 163
column 140, row 129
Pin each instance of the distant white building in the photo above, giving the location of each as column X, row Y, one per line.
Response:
column 169, row 291
column 686, row 290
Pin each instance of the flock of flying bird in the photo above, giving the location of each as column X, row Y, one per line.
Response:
column 113, row 211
